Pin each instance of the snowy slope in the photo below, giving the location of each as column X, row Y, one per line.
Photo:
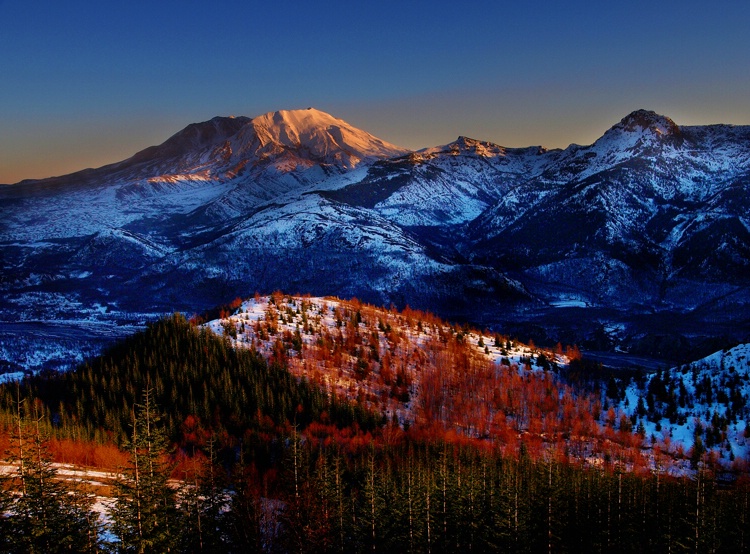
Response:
column 708, row 398
column 412, row 348
column 315, row 245
column 663, row 207
column 444, row 185
column 316, row 136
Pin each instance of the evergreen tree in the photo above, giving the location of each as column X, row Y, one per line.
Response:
column 330, row 501
column 45, row 516
column 306, row 518
column 244, row 518
column 332, row 482
column 204, row 501
column 398, row 522
column 144, row 513
column 372, row 504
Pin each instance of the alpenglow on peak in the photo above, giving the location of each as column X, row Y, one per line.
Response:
column 321, row 135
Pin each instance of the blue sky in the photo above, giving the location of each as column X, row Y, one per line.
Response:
column 88, row 83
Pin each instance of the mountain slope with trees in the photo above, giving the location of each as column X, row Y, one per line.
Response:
column 314, row 473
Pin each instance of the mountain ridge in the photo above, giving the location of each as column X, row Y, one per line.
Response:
column 633, row 227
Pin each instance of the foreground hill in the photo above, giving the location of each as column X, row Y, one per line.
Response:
column 421, row 372
column 354, row 363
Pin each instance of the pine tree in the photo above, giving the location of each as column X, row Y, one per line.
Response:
column 244, row 519
column 203, row 504
column 144, row 513
column 371, row 504
column 305, row 521
column 46, row 516
column 328, row 484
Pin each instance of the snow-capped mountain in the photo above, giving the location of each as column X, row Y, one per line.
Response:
column 651, row 214
column 200, row 179
column 647, row 228
column 445, row 185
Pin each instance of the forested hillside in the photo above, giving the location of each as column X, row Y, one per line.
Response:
column 435, row 377
column 322, row 425
column 203, row 385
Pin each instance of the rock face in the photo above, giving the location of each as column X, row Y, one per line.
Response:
column 645, row 229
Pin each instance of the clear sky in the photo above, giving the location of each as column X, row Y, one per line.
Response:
column 85, row 83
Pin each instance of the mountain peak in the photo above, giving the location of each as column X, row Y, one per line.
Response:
column 291, row 127
column 195, row 135
column 466, row 145
column 319, row 135
column 649, row 120
column 637, row 130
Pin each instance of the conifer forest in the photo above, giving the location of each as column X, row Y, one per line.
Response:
column 214, row 448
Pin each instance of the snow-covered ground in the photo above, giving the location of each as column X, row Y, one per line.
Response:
column 710, row 398
column 260, row 322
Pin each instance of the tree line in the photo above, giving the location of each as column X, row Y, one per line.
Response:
column 404, row 494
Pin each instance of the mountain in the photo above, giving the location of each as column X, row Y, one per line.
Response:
column 651, row 214
column 649, row 218
column 166, row 199
column 642, row 234
column 445, row 185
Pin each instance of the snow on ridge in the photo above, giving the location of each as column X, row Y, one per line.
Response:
column 258, row 323
column 322, row 135
column 737, row 357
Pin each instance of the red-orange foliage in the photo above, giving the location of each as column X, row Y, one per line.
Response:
column 573, row 353
column 76, row 452
column 418, row 369
column 87, row 454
